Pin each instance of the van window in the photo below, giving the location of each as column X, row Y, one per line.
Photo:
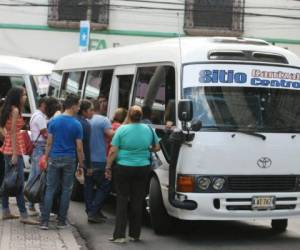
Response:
column 39, row 85
column 55, row 81
column 71, row 83
column 7, row 82
column 125, row 83
column 98, row 82
column 5, row 85
column 155, row 93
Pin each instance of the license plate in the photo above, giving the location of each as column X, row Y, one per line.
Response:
column 263, row 202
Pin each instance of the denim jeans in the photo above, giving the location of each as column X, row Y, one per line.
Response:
column 38, row 151
column 60, row 174
column 95, row 198
column 2, row 169
column 20, row 196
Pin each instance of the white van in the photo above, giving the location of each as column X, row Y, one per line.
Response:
column 244, row 162
column 29, row 73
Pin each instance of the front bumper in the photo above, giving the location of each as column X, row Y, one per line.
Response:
column 234, row 206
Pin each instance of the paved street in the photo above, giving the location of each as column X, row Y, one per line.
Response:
column 200, row 235
column 17, row 236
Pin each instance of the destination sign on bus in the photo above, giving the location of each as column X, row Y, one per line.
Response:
column 243, row 75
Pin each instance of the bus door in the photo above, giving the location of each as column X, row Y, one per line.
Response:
column 22, row 81
column 155, row 92
column 120, row 94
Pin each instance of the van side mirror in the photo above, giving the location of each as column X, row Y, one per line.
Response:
column 160, row 132
column 185, row 110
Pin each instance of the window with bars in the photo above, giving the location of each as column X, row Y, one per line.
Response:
column 214, row 17
column 68, row 13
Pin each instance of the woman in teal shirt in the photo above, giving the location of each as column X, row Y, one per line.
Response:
column 131, row 146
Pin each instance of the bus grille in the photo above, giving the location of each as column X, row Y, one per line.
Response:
column 276, row 183
column 245, row 204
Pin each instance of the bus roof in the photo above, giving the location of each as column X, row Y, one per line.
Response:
column 24, row 66
column 193, row 49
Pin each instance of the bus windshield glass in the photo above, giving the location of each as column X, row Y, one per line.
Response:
column 254, row 109
column 40, row 86
column 240, row 106
column 42, row 83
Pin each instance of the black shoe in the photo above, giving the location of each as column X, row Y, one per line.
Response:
column 101, row 215
column 44, row 226
column 95, row 219
column 61, row 225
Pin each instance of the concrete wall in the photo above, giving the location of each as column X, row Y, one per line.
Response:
column 273, row 27
column 24, row 30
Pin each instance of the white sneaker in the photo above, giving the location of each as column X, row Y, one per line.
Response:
column 32, row 212
column 134, row 239
column 118, row 240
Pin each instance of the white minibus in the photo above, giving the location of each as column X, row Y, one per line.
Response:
column 234, row 107
column 28, row 73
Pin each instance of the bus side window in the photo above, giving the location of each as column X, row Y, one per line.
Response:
column 72, row 83
column 98, row 82
column 125, row 83
column 155, row 93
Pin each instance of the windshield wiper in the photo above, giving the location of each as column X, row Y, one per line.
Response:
column 235, row 129
column 252, row 133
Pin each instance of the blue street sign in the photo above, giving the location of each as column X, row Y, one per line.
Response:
column 84, row 36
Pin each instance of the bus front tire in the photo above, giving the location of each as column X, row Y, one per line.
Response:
column 162, row 223
column 279, row 226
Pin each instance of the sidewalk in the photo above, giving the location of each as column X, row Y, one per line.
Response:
column 17, row 236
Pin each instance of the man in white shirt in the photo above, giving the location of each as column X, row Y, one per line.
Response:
column 38, row 128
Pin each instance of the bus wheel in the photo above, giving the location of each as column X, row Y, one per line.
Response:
column 279, row 226
column 77, row 191
column 160, row 220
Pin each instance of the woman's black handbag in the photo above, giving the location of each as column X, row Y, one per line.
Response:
column 12, row 184
column 34, row 191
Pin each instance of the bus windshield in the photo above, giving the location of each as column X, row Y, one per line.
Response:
column 42, row 83
column 246, row 108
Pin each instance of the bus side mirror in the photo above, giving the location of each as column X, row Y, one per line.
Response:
column 185, row 110
column 196, row 125
column 160, row 132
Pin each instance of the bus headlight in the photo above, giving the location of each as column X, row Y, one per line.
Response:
column 218, row 183
column 203, row 183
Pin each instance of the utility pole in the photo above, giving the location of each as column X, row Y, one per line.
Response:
column 89, row 10
column 89, row 20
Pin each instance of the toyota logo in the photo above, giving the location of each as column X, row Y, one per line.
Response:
column 264, row 162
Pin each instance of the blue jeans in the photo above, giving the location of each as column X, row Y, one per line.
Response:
column 94, row 199
column 20, row 196
column 37, row 153
column 60, row 174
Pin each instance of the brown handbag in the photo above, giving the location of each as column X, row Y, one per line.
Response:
column 28, row 145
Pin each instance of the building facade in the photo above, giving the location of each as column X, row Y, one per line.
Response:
column 49, row 29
